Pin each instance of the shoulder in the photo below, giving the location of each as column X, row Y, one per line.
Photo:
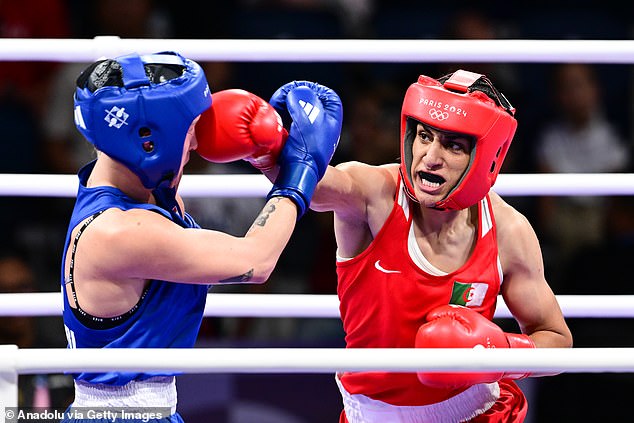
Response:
column 115, row 225
column 362, row 203
column 122, row 241
column 507, row 217
column 374, row 186
column 516, row 238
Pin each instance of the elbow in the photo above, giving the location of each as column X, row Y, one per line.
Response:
column 566, row 337
column 262, row 271
column 260, row 258
column 563, row 339
column 259, row 278
column 250, row 271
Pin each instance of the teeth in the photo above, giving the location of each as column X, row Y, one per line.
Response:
column 430, row 184
column 429, row 180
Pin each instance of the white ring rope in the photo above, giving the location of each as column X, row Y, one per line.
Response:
column 334, row 50
column 315, row 360
column 312, row 306
column 15, row 361
column 231, row 185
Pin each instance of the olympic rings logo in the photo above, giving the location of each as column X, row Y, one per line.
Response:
column 438, row 115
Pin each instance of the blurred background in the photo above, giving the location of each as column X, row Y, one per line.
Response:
column 572, row 118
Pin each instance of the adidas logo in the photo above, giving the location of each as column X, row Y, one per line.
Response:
column 311, row 111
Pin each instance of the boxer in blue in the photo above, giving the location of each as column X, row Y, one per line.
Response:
column 136, row 267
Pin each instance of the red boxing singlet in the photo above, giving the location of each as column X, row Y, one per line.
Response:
column 385, row 295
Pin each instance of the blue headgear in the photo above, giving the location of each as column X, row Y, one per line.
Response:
column 141, row 122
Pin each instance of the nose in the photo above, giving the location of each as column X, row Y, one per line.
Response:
column 432, row 158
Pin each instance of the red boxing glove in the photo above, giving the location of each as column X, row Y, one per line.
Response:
column 452, row 326
column 240, row 125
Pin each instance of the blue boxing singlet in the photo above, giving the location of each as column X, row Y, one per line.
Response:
column 168, row 315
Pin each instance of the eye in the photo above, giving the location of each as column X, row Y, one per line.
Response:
column 459, row 145
column 424, row 136
column 456, row 146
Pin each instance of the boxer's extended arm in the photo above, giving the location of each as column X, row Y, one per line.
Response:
column 149, row 246
column 353, row 185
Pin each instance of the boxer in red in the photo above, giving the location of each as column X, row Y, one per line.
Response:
column 425, row 247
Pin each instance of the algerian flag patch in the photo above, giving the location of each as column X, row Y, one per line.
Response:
column 468, row 294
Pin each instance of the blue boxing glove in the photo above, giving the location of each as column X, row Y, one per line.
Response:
column 316, row 113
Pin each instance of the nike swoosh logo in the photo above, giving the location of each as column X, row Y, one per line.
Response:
column 382, row 269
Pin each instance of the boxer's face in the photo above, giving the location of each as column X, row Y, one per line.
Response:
column 439, row 159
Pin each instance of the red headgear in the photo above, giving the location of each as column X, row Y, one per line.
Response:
column 465, row 103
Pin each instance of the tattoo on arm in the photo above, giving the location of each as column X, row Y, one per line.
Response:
column 266, row 212
column 245, row 277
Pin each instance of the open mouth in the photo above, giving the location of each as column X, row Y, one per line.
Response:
column 430, row 180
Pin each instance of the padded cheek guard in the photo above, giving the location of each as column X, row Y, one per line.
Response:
column 143, row 124
column 458, row 106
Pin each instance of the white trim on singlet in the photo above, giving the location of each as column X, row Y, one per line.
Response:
column 487, row 225
column 500, row 272
column 403, row 200
column 340, row 258
column 156, row 392
column 421, row 261
column 464, row 406
column 486, row 221
column 418, row 257
column 412, row 246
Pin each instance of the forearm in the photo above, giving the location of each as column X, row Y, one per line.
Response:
column 551, row 339
column 275, row 222
column 269, row 233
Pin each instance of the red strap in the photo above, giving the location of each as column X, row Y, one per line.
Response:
column 518, row 340
column 461, row 80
